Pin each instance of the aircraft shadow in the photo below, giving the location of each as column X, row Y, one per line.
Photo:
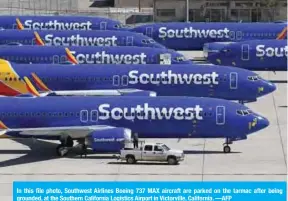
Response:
column 138, row 163
column 208, row 152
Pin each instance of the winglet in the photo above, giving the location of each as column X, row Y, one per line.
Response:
column 19, row 24
column 30, row 87
column 38, row 39
column 70, row 56
column 40, row 83
column 282, row 34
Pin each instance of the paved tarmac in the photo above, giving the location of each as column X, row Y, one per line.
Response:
column 262, row 157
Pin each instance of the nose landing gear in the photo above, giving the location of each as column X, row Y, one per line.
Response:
column 226, row 148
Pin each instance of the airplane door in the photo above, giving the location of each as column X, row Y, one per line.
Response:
column 233, row 80
column 55, row 59
column 124, row 80
column 149, row 31
column 245, row 52
column 63, row 59
column 94, row 115
column 116, row 80
column 84, row 116
column 220, row 115
column 165, row 59
column 239, row 35
column 129, row 41
column 103, row 25
column 232, row 35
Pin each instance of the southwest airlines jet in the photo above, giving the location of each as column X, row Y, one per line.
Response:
column 257, row 55
column 59, row 23
column 76, row 38
column 91, row 55
column 111, row 119
column 192, row 36
column 178, row 80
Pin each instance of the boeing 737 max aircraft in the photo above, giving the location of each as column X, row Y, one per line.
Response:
column 86, row 118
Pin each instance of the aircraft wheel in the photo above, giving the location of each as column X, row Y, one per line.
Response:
column 61, row 150
column 226, row 149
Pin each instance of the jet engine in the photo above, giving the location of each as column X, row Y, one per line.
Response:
column 109, row 140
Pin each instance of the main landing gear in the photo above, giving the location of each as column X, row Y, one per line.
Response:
column 226, row 147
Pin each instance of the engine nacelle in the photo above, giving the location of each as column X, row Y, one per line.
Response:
column 110, row 140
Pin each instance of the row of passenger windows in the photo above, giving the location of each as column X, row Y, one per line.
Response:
column 244, row 112
column 100, row 79
column 71, row 114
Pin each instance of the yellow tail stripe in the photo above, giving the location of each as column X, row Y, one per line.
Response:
column 40, row 83
column 71, row 56
column 30, row 87
column 19, row 24
column 2, row 125
column 39, row 41
column 282, row 34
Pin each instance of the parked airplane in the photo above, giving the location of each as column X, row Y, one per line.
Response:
column 90, row 55
column 177, row 80
column 76, row 38
column 59, row 23
column 257, row 55
column 111, row 119
column 192, row 36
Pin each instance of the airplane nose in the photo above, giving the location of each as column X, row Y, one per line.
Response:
column 267, row 88
column 258, row 123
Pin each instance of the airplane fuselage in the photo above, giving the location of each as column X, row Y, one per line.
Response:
column 155, row 117
column 177, row 80
column 262, row 55
column 76, row 38
column 91, row 55
column 192, row 36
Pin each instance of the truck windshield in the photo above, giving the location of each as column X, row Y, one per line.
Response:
column 165, row 147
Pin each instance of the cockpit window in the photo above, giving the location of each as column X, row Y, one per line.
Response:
column 144, row 41
column 244, row 112
column 180, row 58
column 253, row 78
column 151, row 41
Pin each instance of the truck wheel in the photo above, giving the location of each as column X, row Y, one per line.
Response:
column 172, row 161
column 130, row 160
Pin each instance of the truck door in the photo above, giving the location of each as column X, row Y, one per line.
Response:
column 159, row 153
column 147, row 153
column 245, row 52
column 220, row 115
column 149, row 31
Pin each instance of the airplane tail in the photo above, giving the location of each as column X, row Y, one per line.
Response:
column 282, row 34
column 3, row 130
column 19, row 24
column 70, row 56
column 38, row 39
column 30, row 87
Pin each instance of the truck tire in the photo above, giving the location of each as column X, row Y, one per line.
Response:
column 130, row 159
column 172, row 160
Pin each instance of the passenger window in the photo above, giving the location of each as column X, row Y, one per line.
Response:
column 158, row 148
column 148, row 148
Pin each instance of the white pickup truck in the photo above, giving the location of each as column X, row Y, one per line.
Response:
column 152, row 152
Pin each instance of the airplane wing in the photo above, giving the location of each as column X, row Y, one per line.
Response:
column 75, row 132
column 106, row 92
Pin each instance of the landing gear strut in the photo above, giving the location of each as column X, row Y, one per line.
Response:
column 66, row 144
column 226, row 148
